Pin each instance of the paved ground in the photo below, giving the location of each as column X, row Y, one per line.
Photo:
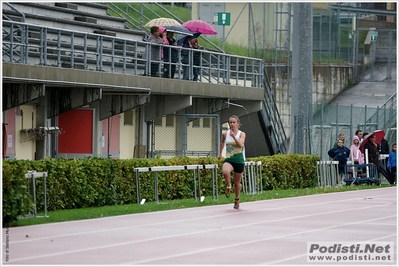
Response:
column 372, row 94
column 270, row 232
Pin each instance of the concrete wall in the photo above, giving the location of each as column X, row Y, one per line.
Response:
column 328, row 82
column 27, row 120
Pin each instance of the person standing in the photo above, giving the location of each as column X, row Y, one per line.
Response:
column 185, row 57
column 359, row 133
column 155, row 54
column 341, row 136
column 391, row 165
column 170, row 56
column 340, row 154
column 196, row 58
column 356, row 155
column 234, row 140
column 372, row 151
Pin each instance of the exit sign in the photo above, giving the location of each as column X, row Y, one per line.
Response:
column 373, row 35
column 224, row 18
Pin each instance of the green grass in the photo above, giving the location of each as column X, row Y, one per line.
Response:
column 106, row 211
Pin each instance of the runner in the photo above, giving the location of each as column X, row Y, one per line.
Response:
column 234, row 140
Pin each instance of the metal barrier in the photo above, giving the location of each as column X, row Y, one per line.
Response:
column 33, row 175
column 327, row 173
column 252, row 178
column 195, row 168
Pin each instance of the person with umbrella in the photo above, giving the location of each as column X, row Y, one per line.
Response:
column 170, row 56
column 340, row 154
column 372, row 150
column 185, row 57
column 155, row 50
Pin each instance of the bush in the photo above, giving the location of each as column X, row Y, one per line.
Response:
column 93, row 182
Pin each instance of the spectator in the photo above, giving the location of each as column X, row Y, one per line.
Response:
column 186, row 57
column 356, row 155
column 384, row 150
column 391, row 165
column 373, row 155
column 170, row 56
column 196, row 58
column 341, row 136
column 359, row 133
column 155, row 54
column 340, row 154
column 384, row 146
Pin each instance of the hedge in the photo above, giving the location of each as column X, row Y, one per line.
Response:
column 93, row 182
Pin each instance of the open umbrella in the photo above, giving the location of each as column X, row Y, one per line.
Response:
column 181, row 38
column 178, row 29
column 196, row 25
column 379, row 134
column 162, row 22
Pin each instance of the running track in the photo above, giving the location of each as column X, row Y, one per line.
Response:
column 270, row 232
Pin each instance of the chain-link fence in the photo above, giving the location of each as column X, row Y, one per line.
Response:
column 359, row 37
column 327, row 121
column 194, row 135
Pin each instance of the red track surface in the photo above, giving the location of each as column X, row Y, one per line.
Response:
column 270, row 232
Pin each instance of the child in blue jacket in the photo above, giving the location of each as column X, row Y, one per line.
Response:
column 340, row 154
column 391, row 165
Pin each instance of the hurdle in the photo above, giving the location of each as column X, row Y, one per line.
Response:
column 327, row 173
column 195, row 168
column 252, row 178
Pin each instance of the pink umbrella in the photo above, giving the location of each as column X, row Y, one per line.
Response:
column 200, row 26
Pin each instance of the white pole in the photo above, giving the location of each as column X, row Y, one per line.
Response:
column 366, row 155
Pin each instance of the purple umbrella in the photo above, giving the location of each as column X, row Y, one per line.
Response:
column 200, row 26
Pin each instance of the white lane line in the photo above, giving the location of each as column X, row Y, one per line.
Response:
column 186, row 220
column 206, row 231
column 255, row 241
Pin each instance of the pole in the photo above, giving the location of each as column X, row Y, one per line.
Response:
column 223, row 39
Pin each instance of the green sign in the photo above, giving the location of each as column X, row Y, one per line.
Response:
column 373, row 35
column 224, row 18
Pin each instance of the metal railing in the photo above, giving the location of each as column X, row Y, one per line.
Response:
column 272, row 118
column 385, row 116
column 46, row 46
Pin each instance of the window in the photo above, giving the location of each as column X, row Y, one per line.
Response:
column 158, row 121
column 170, row 122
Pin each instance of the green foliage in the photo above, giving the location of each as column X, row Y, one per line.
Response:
column 96, row 182
column 16, row 200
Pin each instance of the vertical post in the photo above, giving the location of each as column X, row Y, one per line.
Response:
column 199, row 181
column 34, row 193
column 45, row 193
column 302, row 70
column 156, row 187
column 138, row 186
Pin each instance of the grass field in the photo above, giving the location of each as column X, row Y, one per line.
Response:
column 105, row 211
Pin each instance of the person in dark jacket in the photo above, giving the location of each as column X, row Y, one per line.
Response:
column 373, row 155
column 340, row 154
column 170, row 55
column 185, row 57
column 196, row 58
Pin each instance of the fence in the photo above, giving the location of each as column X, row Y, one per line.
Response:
column 39, row 45
column 327, row 121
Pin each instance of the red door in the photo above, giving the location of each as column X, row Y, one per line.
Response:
column 76, row 138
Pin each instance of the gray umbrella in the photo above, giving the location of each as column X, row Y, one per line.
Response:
column 178, row 29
